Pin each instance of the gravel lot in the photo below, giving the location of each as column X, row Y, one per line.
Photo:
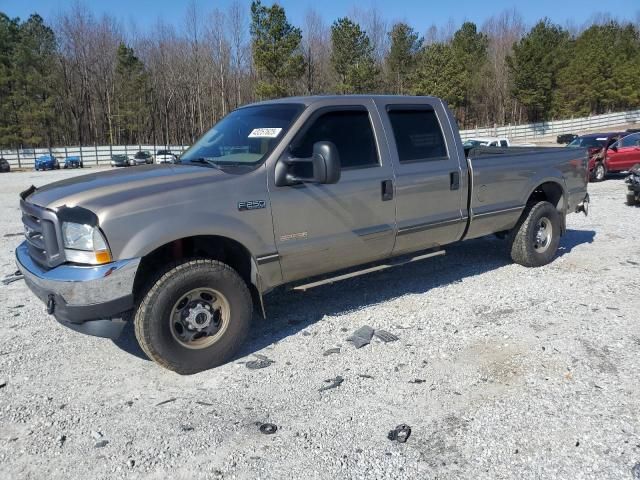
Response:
column 501, row 372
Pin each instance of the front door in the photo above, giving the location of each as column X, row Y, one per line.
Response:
column 322, row 228
column 626, row 153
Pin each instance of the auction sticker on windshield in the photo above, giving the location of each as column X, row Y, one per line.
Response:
column 265, row 132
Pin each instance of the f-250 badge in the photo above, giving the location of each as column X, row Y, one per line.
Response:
column 251, row 205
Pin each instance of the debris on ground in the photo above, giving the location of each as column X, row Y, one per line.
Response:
column 261, row 362
column 3, row 383
column 635, row 471
column 417, row 380
column 400, row 434
column 364, row 375
column 385, row 336
column 268, row 428
column 330, row 352
column 186, row 428
column 101, row 443
column 17, row 234
column 361, row 336
column 96, row 435
column 166, row 401
column 131, row 463
column 333, row 383
column 206, row 404
column 61, row 439
column 14, row 277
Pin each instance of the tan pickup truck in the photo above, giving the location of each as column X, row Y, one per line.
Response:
column 297, row 191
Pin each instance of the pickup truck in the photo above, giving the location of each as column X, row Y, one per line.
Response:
column 296, row 192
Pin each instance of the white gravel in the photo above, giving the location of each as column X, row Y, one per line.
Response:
column 501, row 371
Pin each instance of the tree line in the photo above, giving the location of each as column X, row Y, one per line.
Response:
column 83, row 79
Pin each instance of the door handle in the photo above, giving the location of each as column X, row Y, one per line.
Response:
column 387, row 190
column 454, row 180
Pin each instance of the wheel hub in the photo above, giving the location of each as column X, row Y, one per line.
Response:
column 199, row 318
column 543, row 234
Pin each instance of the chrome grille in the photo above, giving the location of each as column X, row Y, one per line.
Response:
column 42, row 233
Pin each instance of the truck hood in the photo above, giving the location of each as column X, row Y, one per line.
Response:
column 104, row 189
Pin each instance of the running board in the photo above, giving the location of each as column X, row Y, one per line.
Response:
column 377, row 268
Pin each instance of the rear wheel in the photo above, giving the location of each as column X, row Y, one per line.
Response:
column 194, row 317
column 535, row 238
column 631, row 198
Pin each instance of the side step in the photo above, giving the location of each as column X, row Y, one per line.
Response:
column 377, row 268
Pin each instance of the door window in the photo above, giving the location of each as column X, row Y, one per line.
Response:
column 418, row 135
column 629, row 141
column 351, row 132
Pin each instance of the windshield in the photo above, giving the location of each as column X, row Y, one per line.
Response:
column 588, row 142
column 244, row 137
column 142, row 155
column 119, row 157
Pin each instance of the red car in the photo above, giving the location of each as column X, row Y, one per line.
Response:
column 624, row 154
column 597, row 145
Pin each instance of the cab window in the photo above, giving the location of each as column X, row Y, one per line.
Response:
column 351, row 132
column 417, row 133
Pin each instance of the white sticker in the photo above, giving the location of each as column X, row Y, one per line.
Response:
column 265, row 132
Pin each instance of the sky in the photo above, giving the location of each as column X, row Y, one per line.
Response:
column 419, row 13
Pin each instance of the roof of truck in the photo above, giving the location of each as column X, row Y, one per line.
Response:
column 308, row 100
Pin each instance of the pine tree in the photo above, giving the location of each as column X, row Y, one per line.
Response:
column 534, row 67
column 132, row 94
column 401, row 60
column 352, row 57
column 277, row 51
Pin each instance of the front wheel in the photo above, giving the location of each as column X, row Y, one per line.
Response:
column 194, row 317
column 535, row 238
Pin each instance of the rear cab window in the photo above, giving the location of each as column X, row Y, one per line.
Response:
column 417, row 133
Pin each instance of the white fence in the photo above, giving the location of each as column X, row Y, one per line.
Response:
column 101, row 154
column 91, row 155
column 532, row 131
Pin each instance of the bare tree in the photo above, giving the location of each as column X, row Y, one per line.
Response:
column 315, row 41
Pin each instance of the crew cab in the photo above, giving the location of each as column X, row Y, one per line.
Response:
column 298, row 192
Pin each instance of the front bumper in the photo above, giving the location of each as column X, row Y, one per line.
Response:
column 88, row 299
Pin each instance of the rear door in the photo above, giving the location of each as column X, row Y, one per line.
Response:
column 626, row 153
column 323, row 228
column 430, row 187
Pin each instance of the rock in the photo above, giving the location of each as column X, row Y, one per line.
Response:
column 261, row 362
column 131, row 463
column 61, row 439
column 101, row 443
column 96, row 435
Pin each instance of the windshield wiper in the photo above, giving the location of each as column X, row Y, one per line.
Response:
column 202, row 160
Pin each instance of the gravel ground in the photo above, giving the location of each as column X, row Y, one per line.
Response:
column 501, row 372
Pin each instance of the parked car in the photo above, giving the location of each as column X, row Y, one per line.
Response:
column 47, row 162
column 143, row 157
column 633, row 185
column 633, row 130
column 623, row 154
column 566, row 137
column 303, row 188
column 121, row 160
column 73, row 162
column 486, row 142
column 4, row 165
column 596, row 145
column 165, row 156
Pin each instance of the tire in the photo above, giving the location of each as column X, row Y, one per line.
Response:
column 155, row 318
column 631, row 199
column 599, row 172
column 526, row 246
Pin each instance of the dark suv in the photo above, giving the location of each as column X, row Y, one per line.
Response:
column 4, row 165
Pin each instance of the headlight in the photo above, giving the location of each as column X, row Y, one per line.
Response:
column 84, row 244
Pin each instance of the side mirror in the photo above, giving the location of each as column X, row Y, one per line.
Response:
column 613, row 147
column 325, row 165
